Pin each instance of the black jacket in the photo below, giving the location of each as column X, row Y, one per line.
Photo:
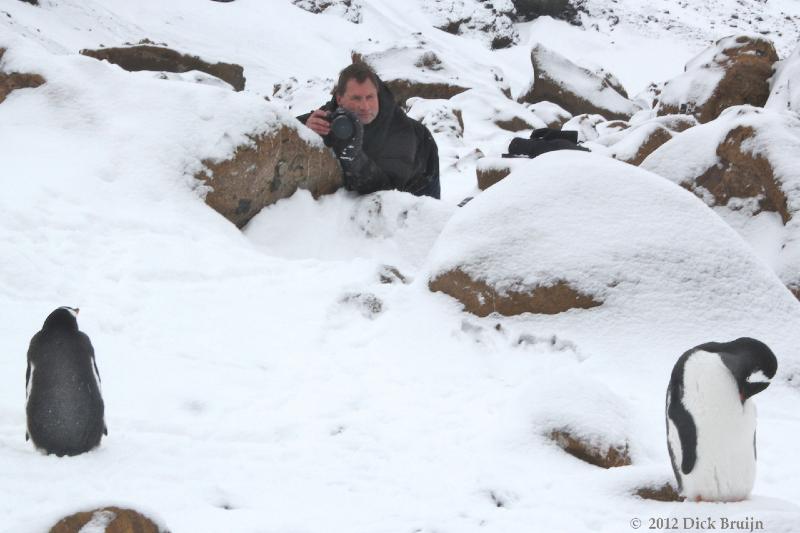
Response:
column 400, row 153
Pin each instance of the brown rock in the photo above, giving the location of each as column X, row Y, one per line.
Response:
column 16, row 80
column 741, row 174
column 157, row 58
column 481, row 299
column 515, row 124
column 405, row 89
column 272, row 168
column 655, row 138
column 609, row 457
column 548, row 86
column 747, row 64
column 664, row 493
column 489, row 176
column 115, row 520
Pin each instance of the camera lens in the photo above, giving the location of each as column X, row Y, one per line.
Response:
column 342, row 127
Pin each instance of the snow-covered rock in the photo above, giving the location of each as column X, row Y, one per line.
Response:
column 160, row 58
column 585, row 225
column 267, row 168
column 577, row 89
column 746, row 161
column 490, row 21
column 785, row 93
column 108, row 519
column 567, row 10
column 11, row 81
column 633, row 144
column 349, row 10
column 553, row 115
column 413, row 71
column 734, row 71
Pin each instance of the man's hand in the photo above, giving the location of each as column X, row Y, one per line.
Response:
column 318, row 122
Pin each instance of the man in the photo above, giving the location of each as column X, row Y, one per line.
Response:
column 388, row 149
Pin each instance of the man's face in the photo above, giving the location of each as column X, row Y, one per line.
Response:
column 361, row 99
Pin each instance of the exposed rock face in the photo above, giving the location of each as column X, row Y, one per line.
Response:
column 602, row 456
column 12, row 81
column 735, row 71
column 274, row 166
column 574, row 88
column 157, row 58
column 568, row 10
column 482, row 299
column 490, row 21
column 405, row 89
column 654, row 136
column 110, row 519
column 664, row 493
column 347, row 9
column 490, row 171
column 743, row 174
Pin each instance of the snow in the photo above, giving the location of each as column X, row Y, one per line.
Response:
column 785, row 95
column 248, row 384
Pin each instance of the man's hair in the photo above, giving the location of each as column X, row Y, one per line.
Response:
column 357, row 71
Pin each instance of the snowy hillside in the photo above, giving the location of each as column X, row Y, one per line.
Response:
column 299, row 375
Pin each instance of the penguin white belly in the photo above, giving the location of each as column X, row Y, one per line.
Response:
column 726, row 464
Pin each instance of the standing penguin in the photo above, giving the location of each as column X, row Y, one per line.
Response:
column 711, row 420
column 64, row 403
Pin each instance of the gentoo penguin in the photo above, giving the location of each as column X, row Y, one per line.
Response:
column 64, row 403
column 711, row 419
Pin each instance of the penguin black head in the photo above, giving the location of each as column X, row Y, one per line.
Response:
column 63, row 317
column 751, row 362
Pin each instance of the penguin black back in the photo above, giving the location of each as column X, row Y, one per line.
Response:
column 65, row 410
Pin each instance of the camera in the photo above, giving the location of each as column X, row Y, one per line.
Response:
column 342, row 126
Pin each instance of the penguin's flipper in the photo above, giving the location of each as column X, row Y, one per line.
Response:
column 687, row 433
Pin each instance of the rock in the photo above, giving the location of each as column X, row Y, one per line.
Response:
column 663, row 493
column 514, row 124
column 585, row 450
column 367, row 304
column 110, row 519
column 585, row 125
column 553, row 115
column 389, row 274
column 647, row 139
column 736, row 161
column 483, row 299
column 429, row 78
column 32, row 2
column 491, row 170
column 270, row 168
column 735, row 71
column 347, row 9
column 157, row 58
column 11, row 81
column 785, row 93
column 567, row 10
column 744, row 163
column 576, row 89
column 491, row 22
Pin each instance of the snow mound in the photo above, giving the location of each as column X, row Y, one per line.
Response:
column 640, row 244
column 392, row 226
column 785, row 95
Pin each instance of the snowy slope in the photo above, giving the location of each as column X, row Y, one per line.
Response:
column 252, row 383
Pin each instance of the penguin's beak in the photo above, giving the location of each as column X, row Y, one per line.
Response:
column 755, row 383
